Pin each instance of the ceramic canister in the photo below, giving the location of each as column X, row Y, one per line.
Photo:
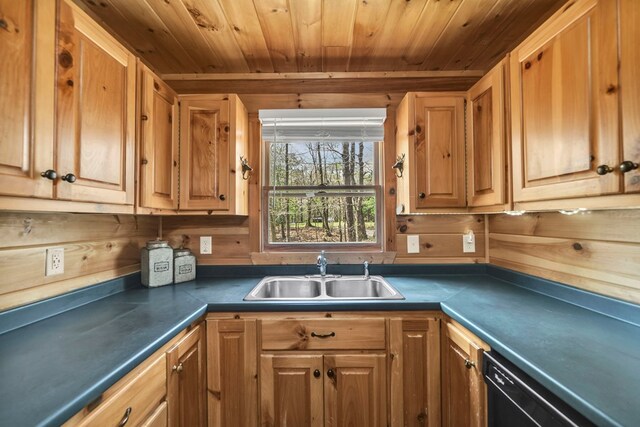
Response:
column 157, row 264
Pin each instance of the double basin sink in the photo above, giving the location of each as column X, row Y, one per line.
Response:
column 329, row 287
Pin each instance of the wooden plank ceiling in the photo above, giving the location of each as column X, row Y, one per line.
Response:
column 303, row 36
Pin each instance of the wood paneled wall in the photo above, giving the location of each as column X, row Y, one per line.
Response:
column 598, row 251
column 97, row 248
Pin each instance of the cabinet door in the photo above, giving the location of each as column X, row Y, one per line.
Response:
column 355, row 390
column 630, row 89
column 158, row 143
column 564, row 100
column 291, row 390
column 463, row 388
column 96, row 79
column 232, row 373
column 185, row 380
column 438, row 151
column 414, row 350
column 486, row 150
column 26, row 84
column 205, row 162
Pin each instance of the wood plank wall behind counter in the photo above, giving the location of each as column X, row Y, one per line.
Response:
column 598, row 251
column 97, row 248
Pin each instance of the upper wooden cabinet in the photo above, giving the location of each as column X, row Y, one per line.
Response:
column 95, row 112
column 487, row 159
column 464, row 392
column 430, row 140
column 630, row 91
column 564, row 101
column 158, row 143
column 27, row 86
column 214, row 136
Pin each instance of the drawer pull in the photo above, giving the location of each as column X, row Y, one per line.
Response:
column 125, row 418
column 329, row 335
column 178, row 368
column 469, row 363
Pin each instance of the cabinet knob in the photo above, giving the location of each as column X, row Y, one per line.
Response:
column 49, row 174
column 316, row 373
column 178, row 368
column 223, row 197
column 70, row 178
column 627, row 166
column 469, row 363
column 330, row 373
column 125, row 417
column 604, row 169
column 422, row 195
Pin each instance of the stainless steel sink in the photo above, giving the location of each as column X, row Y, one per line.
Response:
column 323, row 288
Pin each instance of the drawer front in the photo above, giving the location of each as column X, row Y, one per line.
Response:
column 323, row 334
column 158, row 418
column 136, row 400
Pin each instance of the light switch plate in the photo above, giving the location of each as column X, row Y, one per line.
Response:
column 55, row 262
column 468, row 242
column 205, row 245
column 413, row 244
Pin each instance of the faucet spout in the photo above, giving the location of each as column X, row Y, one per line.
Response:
column 322, row 263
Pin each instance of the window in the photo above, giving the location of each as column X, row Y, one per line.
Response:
column 322, row 183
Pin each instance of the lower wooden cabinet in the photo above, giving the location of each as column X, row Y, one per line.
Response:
column 324, row 369
column 463, row 389
column 186, row 380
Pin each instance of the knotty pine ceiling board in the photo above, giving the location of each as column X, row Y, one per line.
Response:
column 287, row 36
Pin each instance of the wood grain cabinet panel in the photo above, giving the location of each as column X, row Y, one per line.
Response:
column 27, row 87
column 486, row 149
column 630, row 90
column 291, row 390
column 186, row 389
column 232, row 373
column 158, row 143
column 430, row 136
column 564, row 100
column 214, row 134
column 95, row 120
column 414, row 348
column 463, row 388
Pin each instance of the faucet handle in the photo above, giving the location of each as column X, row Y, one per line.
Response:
column 366, row 269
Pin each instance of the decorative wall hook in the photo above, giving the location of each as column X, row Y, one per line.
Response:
column 399, row 165
column 246, row 169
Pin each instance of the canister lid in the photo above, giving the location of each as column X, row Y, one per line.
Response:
column 155, row 244
column 181, row 252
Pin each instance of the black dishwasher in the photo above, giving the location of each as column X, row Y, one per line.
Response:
column 515, row 399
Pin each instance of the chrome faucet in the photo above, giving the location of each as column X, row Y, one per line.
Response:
column 322, row 264
column 366, row 269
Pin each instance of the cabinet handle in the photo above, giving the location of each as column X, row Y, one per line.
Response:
column 422, row 195
column 422, row 417
column 125, row 418
column 49, row 174
column 604, row 169
column 316, row 373
column 469, row 363
column 330, row 373
column 222, row 197
column 329, row 335
column 627, row 166
column 70, row 178
column 178, row 368
column 246, row 168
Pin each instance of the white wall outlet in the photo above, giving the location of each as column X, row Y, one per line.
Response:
column 469, row 242
column 413, row 244
column 55, row 262
column 205, row 245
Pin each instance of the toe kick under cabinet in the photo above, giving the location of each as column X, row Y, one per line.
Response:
column 323, row 369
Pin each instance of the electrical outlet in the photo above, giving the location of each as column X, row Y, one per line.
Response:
column 205, row 245
column 55, row 261
column 413, row 244
column 468, row 242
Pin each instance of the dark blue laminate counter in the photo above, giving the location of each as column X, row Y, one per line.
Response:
column 52, row 368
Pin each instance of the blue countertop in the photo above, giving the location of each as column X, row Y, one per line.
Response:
column 52, row 368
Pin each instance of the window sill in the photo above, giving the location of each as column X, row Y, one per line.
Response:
column 351, row 256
